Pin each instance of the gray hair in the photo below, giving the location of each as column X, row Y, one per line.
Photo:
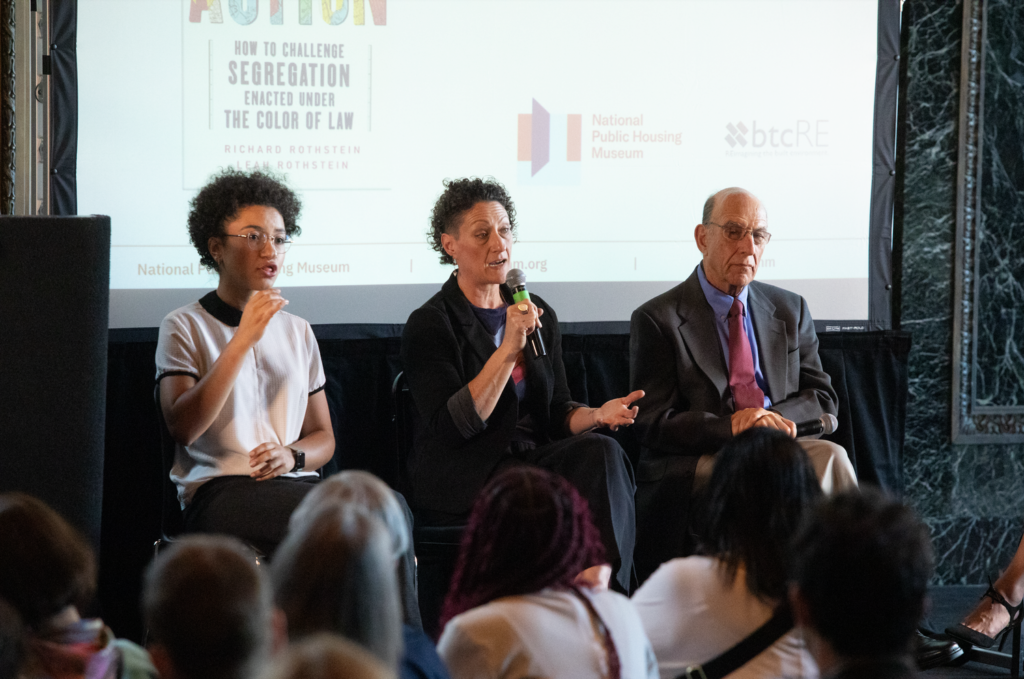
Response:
column 709, row 204
column 336, row 574
column 360, row 489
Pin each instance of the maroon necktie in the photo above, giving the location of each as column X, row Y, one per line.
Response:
column 745, row 392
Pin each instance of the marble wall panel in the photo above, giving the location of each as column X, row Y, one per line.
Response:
column 999, row 372
column 971, row 496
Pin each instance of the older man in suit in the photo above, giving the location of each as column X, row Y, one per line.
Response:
column 716, row 355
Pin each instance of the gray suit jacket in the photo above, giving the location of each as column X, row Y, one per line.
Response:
column 676, row 358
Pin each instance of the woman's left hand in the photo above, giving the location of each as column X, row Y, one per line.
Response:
column 269, row 460
column 617, row 412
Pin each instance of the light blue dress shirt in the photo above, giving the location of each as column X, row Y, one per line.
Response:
column 721, row 303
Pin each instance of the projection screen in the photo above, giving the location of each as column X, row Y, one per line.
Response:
column 609, row 122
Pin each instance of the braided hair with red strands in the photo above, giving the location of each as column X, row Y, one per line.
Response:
column 529, row 529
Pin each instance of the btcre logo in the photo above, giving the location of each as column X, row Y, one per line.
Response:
column 737, row 134
column 802, row 134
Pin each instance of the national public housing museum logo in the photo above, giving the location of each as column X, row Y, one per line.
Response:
column 550, row 147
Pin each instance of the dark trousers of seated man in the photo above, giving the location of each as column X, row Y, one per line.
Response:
column 257, row 512
column 660, row 505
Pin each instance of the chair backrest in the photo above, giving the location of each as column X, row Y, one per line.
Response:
column 404, row 429
column 171, row 519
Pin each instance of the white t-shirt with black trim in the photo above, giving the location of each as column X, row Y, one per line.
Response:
column 267, row 402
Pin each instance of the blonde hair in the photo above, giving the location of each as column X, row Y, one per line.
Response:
column 326, row 656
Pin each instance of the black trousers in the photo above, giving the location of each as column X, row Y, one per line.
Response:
column 598, row 468
column 257, row 513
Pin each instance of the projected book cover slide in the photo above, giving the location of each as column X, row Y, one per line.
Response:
column 285, row 85
column 609, row 131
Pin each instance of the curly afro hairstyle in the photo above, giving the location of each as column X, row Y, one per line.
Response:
column 230, row 191
column 459, row 196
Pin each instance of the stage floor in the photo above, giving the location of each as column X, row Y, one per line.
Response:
column 949, row 606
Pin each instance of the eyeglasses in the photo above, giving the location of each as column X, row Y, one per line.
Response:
column 257, row 240
column 735, row 232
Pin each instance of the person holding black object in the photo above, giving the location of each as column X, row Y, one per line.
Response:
column 241, row 381
column 718, row 354
column 484, row 402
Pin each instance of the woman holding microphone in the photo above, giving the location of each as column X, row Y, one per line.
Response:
column 486, row 402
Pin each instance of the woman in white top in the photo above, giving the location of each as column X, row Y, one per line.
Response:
column 516, row 608
column 241, row 382
column 696, row 608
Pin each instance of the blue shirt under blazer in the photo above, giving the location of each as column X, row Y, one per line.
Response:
column 676, row 357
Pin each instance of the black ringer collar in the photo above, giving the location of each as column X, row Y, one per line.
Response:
column 221, row 310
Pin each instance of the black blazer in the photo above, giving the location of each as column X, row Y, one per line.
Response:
column 676, row 358
column 444, row 346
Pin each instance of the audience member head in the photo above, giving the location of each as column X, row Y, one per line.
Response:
column 327, row 656
column 529, row 529
column 459, row 196
column 208, row 609
column 761, row 485
column 861, row 565
column 45, row 564
column 337, row 574
column 357, row 489
column 228, row 192
column 12, row 641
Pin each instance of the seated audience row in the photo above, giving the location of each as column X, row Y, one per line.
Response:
column 524, row 601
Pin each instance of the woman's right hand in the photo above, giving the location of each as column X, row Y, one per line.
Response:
column 262, row 306
column 521, row 319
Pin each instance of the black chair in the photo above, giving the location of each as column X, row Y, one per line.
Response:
column 436, row 547
column 171, row 518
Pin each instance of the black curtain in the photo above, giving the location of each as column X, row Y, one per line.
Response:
column 869, row 371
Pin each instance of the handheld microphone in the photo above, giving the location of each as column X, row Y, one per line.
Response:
column 826, row 424
column 516, row 280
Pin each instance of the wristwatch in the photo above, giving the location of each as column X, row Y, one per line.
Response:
column 300, row 460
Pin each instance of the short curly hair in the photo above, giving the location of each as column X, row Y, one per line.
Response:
column 230, row 191
column 459, row 196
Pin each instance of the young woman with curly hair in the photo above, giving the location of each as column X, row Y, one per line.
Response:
column 516, row 607
column 484, row 403
column 241, row 381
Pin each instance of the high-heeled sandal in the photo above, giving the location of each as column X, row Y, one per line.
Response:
column 963, row 633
